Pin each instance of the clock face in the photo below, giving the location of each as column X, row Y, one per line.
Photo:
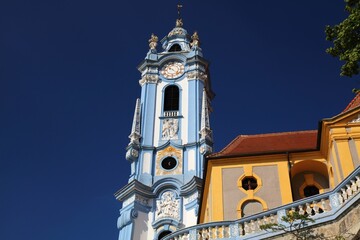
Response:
column 172, row 70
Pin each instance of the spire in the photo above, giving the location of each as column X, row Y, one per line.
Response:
column 206, row 140
column 205, row 131
column 135, row 129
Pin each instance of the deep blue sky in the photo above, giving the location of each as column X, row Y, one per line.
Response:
column 69, row 81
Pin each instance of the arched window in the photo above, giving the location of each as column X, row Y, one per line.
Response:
column 310, row 191
column 171, row 99
column 163, row 234
column 175, row 48
column 251, row 207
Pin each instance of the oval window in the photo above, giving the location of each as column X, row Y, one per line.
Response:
column 169, row 163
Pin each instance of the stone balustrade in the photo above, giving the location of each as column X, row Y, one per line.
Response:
column 319, row 207
column 171, row 113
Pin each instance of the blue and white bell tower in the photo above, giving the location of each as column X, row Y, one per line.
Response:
column 169, row 138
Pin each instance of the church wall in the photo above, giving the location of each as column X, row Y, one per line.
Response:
column 141, row 227
column 354, row 152
column 344, row 156
column 206, row 205
column 335, row 168
column 270, row 189
column 148, row 92
column 159, row 106
column 232, row 193
column 225, row 196
column 189, row 217
column 345, row 146
column 217, row 210
column 184, row 111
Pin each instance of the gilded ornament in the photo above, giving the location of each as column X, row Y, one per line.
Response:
column 153, row 41
column 195, row 40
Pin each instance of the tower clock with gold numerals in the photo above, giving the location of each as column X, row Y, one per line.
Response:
column 172, row 70
column 169, row 138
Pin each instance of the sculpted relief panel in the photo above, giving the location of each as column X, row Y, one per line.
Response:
column 167, row 206
column 170, row 129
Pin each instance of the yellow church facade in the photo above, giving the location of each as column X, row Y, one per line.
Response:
column 256, row 173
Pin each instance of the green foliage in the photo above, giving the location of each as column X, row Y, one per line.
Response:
column 346, row 39
column 294, row 224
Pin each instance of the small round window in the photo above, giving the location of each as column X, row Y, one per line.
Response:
column 249, row 183
column 168, row 163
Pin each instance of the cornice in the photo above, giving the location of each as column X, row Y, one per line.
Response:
column 195, row 184
column 134, row 187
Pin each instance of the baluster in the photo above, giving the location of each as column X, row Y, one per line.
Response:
column 265, row 220
column 210, row 232
column 203, row 233
column 301, row 210
column 353, row 186
column 272, row 218
column 357, row 181
column 348, row 190
column 241, row 230
column 247, row 228
column 293, row 209
column 252, row 226
column 227, row 231
column 315, row 207
column 323, row 205
column 184, row 236
column 344, row 195
column 223, row 231
column 308, row 209
column 216, row 232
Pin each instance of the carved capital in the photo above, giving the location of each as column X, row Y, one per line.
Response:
column 149, row 79
column 196, row 75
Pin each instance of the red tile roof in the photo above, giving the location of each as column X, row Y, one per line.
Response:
column 354, row 103
column 270, row 143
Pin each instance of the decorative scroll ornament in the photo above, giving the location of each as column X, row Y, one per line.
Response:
column 170, row 129
column 195, row 40
column 149, row 78
column 153, row 41
column 196, row 75
column 167, row 206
